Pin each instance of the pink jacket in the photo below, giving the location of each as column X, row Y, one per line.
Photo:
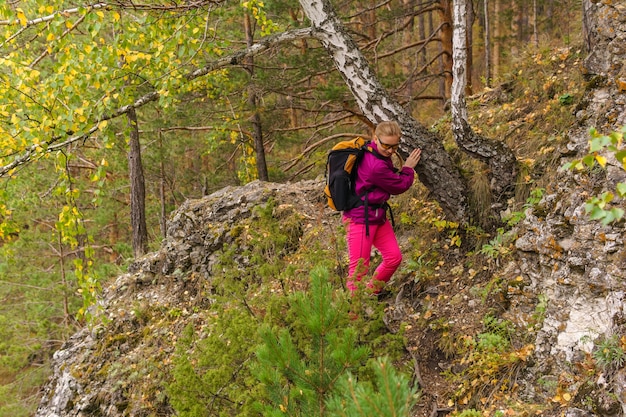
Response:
column 380, row 177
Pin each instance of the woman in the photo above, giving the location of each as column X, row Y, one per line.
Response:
column 377, row 175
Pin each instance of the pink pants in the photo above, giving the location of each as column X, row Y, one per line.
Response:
column 382, row 238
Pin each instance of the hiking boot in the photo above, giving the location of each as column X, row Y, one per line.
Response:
column 383, row 294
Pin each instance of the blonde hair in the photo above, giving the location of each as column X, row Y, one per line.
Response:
column 389, row 128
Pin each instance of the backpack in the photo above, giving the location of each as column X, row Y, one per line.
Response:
column 341, row 166
column 341, row 169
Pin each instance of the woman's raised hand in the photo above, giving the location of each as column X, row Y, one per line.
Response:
column 413, row 158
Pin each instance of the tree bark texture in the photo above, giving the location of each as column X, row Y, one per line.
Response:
column 445, row 12
column 469, row 61
column 497, row 38
column 497, row 155
column 255, row 119
column 436, row 169
column 421, row 57
column 534, row 23
column 162, row 208
column 259, row 146
column 487, row 44
column 137, row 189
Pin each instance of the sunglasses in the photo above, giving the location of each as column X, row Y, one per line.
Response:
column 388, row 147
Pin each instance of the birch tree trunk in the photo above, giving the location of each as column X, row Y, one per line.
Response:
column 499, row 157
column 469, row 62
column 436, row 169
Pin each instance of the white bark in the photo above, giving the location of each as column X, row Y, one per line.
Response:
column 459, row 55
column 487, row 44
column 497, row 155
column 436, row 169
column 350, row 62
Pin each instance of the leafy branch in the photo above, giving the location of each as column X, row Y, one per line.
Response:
column 599, row 207
column 39, row 149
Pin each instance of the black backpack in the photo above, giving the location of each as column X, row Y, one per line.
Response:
column 341, row 168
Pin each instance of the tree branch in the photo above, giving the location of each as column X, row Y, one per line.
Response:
column 43, row 19
column 234, row 59
column 188, row 5
column 264, row 44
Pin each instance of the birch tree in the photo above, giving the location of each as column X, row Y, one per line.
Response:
column 498, row 157
column 436, row 169
column 487, row 37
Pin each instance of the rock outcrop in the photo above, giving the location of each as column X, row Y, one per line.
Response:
column 579, row 265
column 107, row 370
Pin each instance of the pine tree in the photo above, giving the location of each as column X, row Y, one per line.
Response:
column 305, row 365
column 389, row 396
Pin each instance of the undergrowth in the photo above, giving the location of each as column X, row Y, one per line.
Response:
column 277, row 339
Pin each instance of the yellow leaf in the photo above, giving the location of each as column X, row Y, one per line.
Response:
column 601, row 160
column 567, row 396
column 100, row 14
column 116, row 16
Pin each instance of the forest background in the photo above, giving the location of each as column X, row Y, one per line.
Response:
column 106, row 126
